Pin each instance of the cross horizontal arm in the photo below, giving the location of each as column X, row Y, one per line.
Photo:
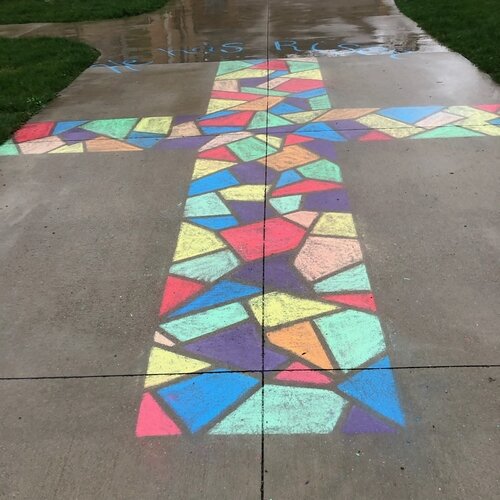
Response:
column 267, row 116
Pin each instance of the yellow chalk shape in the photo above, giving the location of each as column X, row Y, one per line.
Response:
column 270, row 139
column 246, row 192
column 303, row 117
column 73, row 148
column 278, row 308
column 243, row 73
column 206, row 167
column 170, row 365
column 388, row 126
column 221, row 104
column 154, row 125
column 310, row 74
column 476, row 116
column 345, row 114
column 335, row 224
column 194, row 240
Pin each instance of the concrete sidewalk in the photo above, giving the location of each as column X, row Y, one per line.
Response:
column 88, row 240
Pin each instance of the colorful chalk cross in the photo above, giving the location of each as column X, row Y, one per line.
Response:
column 267, row 321
column 267, row 308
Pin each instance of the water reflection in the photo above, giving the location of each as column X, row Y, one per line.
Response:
column 213, row 30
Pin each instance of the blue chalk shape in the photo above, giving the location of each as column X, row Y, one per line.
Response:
column 65, row 126
column 311, row 93
column 288, row 177
column 376, row 389
column 220, row 130
column 278, row 73
column 219, row 180
column 217, row 114
column 496, row 121
column 144, row 139
column 199, row 400
column 320, row 131
column 283, row 108
column 409, row 114
column 221, row 222
column 224, row 291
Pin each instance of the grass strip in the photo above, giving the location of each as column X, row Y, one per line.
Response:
column 56, row 11
column 469, row 27
column 32, row 72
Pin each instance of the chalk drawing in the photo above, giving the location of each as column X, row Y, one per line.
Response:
column 292, row 307
column 268, row 282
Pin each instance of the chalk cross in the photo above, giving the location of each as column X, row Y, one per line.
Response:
column 267, row 322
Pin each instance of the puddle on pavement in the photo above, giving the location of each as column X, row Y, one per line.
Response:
column 214, row 30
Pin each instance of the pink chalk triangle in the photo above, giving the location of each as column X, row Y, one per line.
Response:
column 492, row 108
column 303, row 218
column 375, row 135
column 298, row 372
column 159, row 338
column 296, row 139
column 153, row 421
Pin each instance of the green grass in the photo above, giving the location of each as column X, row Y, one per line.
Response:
column 44, row 11
column 469, row 27
column 32, row 72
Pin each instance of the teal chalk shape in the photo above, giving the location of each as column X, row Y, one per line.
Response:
column 231, row 66
column 447, row 132
column 296, row 67
column 322, row 170
column 262, row 119
column 205, row 205
column 286, row 204
column 353, row 337
column 118, row 128
column 199, row 324
column 376, row 389
column 287, row 410
column 251, row 149
column 354, row 279
column 320, row 102
column 201, row 399
column 8, row 149
column 208, row 267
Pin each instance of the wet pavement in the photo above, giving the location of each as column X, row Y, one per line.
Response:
column 218, row 30
column 87, row 239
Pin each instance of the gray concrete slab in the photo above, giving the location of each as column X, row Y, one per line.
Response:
column 75, row 439
column 448, row 451
column 411, row 80
column 155, row 90
column 428, row 215
column 85, row 244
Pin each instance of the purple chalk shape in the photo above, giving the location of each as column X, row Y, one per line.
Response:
column 322, row 148
column 252, row 173
column 279, row 274
column 77, row 135
column 336, row 200
column 360, row 422
column 239, row 346
column 183, row 143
